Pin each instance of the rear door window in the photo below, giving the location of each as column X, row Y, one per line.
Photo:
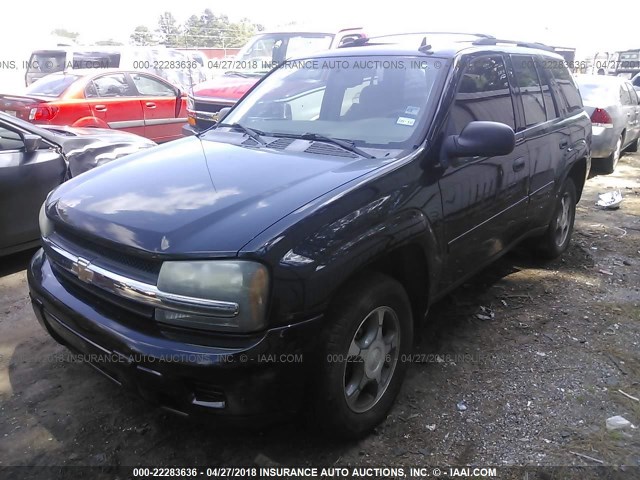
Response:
column 114, row 85
column 530, row 89
column 483, row 94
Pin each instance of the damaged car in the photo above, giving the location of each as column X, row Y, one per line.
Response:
column 34, row 160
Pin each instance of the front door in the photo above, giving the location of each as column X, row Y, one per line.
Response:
column 161, row 103
column 25, row 180
column 484, row 199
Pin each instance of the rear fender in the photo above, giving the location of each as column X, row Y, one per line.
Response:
column 90, row 122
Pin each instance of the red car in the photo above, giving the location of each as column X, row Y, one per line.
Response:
column 136, row 102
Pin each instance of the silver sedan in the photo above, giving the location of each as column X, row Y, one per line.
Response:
column 613, row 106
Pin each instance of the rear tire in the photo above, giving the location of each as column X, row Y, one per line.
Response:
column 558, row 236
column 611, row 161
column 363, row 356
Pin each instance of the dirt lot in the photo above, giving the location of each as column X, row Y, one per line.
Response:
column 539, row 379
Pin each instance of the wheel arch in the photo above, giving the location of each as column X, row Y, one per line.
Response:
column 90, row 122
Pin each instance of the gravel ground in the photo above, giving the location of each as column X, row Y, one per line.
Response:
column 531, row 386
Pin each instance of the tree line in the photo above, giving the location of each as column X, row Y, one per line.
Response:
column 199, row 31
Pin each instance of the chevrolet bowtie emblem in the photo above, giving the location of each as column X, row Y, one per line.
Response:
column 81, row 269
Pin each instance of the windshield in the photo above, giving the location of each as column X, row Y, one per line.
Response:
column 52, row 85
column 264, row 52
column 377, row 102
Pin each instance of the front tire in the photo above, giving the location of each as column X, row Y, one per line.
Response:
column 362, row 364
column 633, row 147
column 558, row 236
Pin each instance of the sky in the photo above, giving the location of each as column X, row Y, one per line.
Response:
column 569, row 23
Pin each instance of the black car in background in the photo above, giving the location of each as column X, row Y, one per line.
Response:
column 34, row 160
column 284, row 258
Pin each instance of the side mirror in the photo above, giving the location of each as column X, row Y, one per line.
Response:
column 480, row 139
column 223, row 113
column 31, row 142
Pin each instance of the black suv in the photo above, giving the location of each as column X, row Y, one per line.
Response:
column 285, row 257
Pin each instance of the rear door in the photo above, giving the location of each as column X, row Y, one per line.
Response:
column 539, row 123
column 115, row 101
column 629, row 102
column 25, row 180
column 162, row 106
column 484, row 199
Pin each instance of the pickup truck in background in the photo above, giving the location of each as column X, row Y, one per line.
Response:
column 263, row 52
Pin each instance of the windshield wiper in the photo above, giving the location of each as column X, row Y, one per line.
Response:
column 345, row 144
column 255, row 134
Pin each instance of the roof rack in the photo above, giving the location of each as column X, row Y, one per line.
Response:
column 495, row 41
column 372, row 40
column 480, row 35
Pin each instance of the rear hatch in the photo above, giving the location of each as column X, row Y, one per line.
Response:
column 44, row 62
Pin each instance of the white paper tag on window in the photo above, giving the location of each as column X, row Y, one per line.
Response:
column 412, row 110
column 406, row 121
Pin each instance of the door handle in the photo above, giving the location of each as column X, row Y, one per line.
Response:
column 101, row 108
column 518, row 164
column 564, row 144
column 150, row 105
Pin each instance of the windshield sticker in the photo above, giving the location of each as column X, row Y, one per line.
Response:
column 412, row 110
column 406, row 121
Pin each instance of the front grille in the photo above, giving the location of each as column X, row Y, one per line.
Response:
column 132, row 266
column 208, row 107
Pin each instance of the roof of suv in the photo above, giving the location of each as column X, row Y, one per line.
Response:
column 438, row 44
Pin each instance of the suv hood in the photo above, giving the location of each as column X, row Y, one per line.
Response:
column 195, row 196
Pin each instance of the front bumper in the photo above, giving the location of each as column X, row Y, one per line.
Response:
column 248, row 376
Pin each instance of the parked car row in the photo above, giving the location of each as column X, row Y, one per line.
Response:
column 613, row 106
column 34, row 160
column 283, row 258
column 132, row 101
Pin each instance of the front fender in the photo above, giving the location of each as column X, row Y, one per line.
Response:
column 348, row 233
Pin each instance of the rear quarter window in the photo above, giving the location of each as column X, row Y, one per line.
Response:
column 567, row 89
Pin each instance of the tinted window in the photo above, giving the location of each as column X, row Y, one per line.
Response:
column 530, row 90
column 483, row 94
column 96, row 60
column 549, row 102
column 566, row 85
column 9, row 140
column 51, row 85
column 151, row 87
column 47, row 61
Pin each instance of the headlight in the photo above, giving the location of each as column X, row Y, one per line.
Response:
column 239, row 282
column 46, row 225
